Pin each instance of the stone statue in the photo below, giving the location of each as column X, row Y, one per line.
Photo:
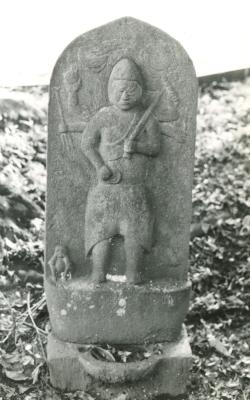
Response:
column 119, row 203
column 59, row 264
column 121, row 137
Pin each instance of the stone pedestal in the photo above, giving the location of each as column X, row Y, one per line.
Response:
column 116, row 313
column 159, row 375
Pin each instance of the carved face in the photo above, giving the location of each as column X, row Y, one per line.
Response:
column 59, row 250
column 125, row 84
column 125, row 93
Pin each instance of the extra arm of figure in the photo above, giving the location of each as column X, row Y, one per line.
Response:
column 149, row 143
column 77, row 126
column 90, row 142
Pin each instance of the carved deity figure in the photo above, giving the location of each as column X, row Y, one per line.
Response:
column 118, row 142
column 59, row 264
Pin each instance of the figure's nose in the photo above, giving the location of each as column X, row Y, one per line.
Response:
column 125, row 95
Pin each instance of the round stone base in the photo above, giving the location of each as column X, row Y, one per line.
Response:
column 116, row 313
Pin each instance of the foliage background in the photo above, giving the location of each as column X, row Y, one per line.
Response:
column 219, row 318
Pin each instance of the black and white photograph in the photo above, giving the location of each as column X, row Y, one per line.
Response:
column 125, row 200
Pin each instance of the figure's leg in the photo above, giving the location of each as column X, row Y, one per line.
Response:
column 100, row 254
column 64, row 274
column 134, row 256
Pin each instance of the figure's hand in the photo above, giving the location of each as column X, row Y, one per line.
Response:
column 130, row 146
column 76, row 85
column 104, row 173
column 67, row 143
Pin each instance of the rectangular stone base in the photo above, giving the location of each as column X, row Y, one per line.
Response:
column 155, row 377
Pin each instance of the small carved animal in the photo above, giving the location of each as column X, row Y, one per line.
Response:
column 59, row 264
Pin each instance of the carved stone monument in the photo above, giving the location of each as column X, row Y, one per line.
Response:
column 121, row 139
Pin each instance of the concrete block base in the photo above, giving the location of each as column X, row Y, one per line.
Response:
column 159, row 376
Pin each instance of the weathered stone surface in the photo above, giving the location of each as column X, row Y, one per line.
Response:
column 121, row 138
column 164, row 374
column 152, row 202
column 116, row 313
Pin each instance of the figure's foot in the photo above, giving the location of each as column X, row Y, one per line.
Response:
column 97, row 278
column 53, row 279
column 134, row 279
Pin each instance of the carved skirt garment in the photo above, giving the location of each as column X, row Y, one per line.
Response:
column 118, row 210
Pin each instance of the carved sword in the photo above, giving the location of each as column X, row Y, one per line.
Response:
column 142, row 122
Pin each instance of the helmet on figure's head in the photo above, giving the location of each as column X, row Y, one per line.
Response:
column 125, row 84
column 126, row 69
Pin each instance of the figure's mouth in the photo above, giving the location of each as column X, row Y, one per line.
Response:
column 125, row 102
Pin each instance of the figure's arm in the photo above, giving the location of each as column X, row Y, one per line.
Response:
column 52, row 261
column 149, row 145
column 90, row 144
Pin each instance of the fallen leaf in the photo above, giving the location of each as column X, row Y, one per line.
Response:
column 16, row 375
column 102, row 354
column 35, row 373
column 217, row 345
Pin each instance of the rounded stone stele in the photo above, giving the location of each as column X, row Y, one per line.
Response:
column 120, row 170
